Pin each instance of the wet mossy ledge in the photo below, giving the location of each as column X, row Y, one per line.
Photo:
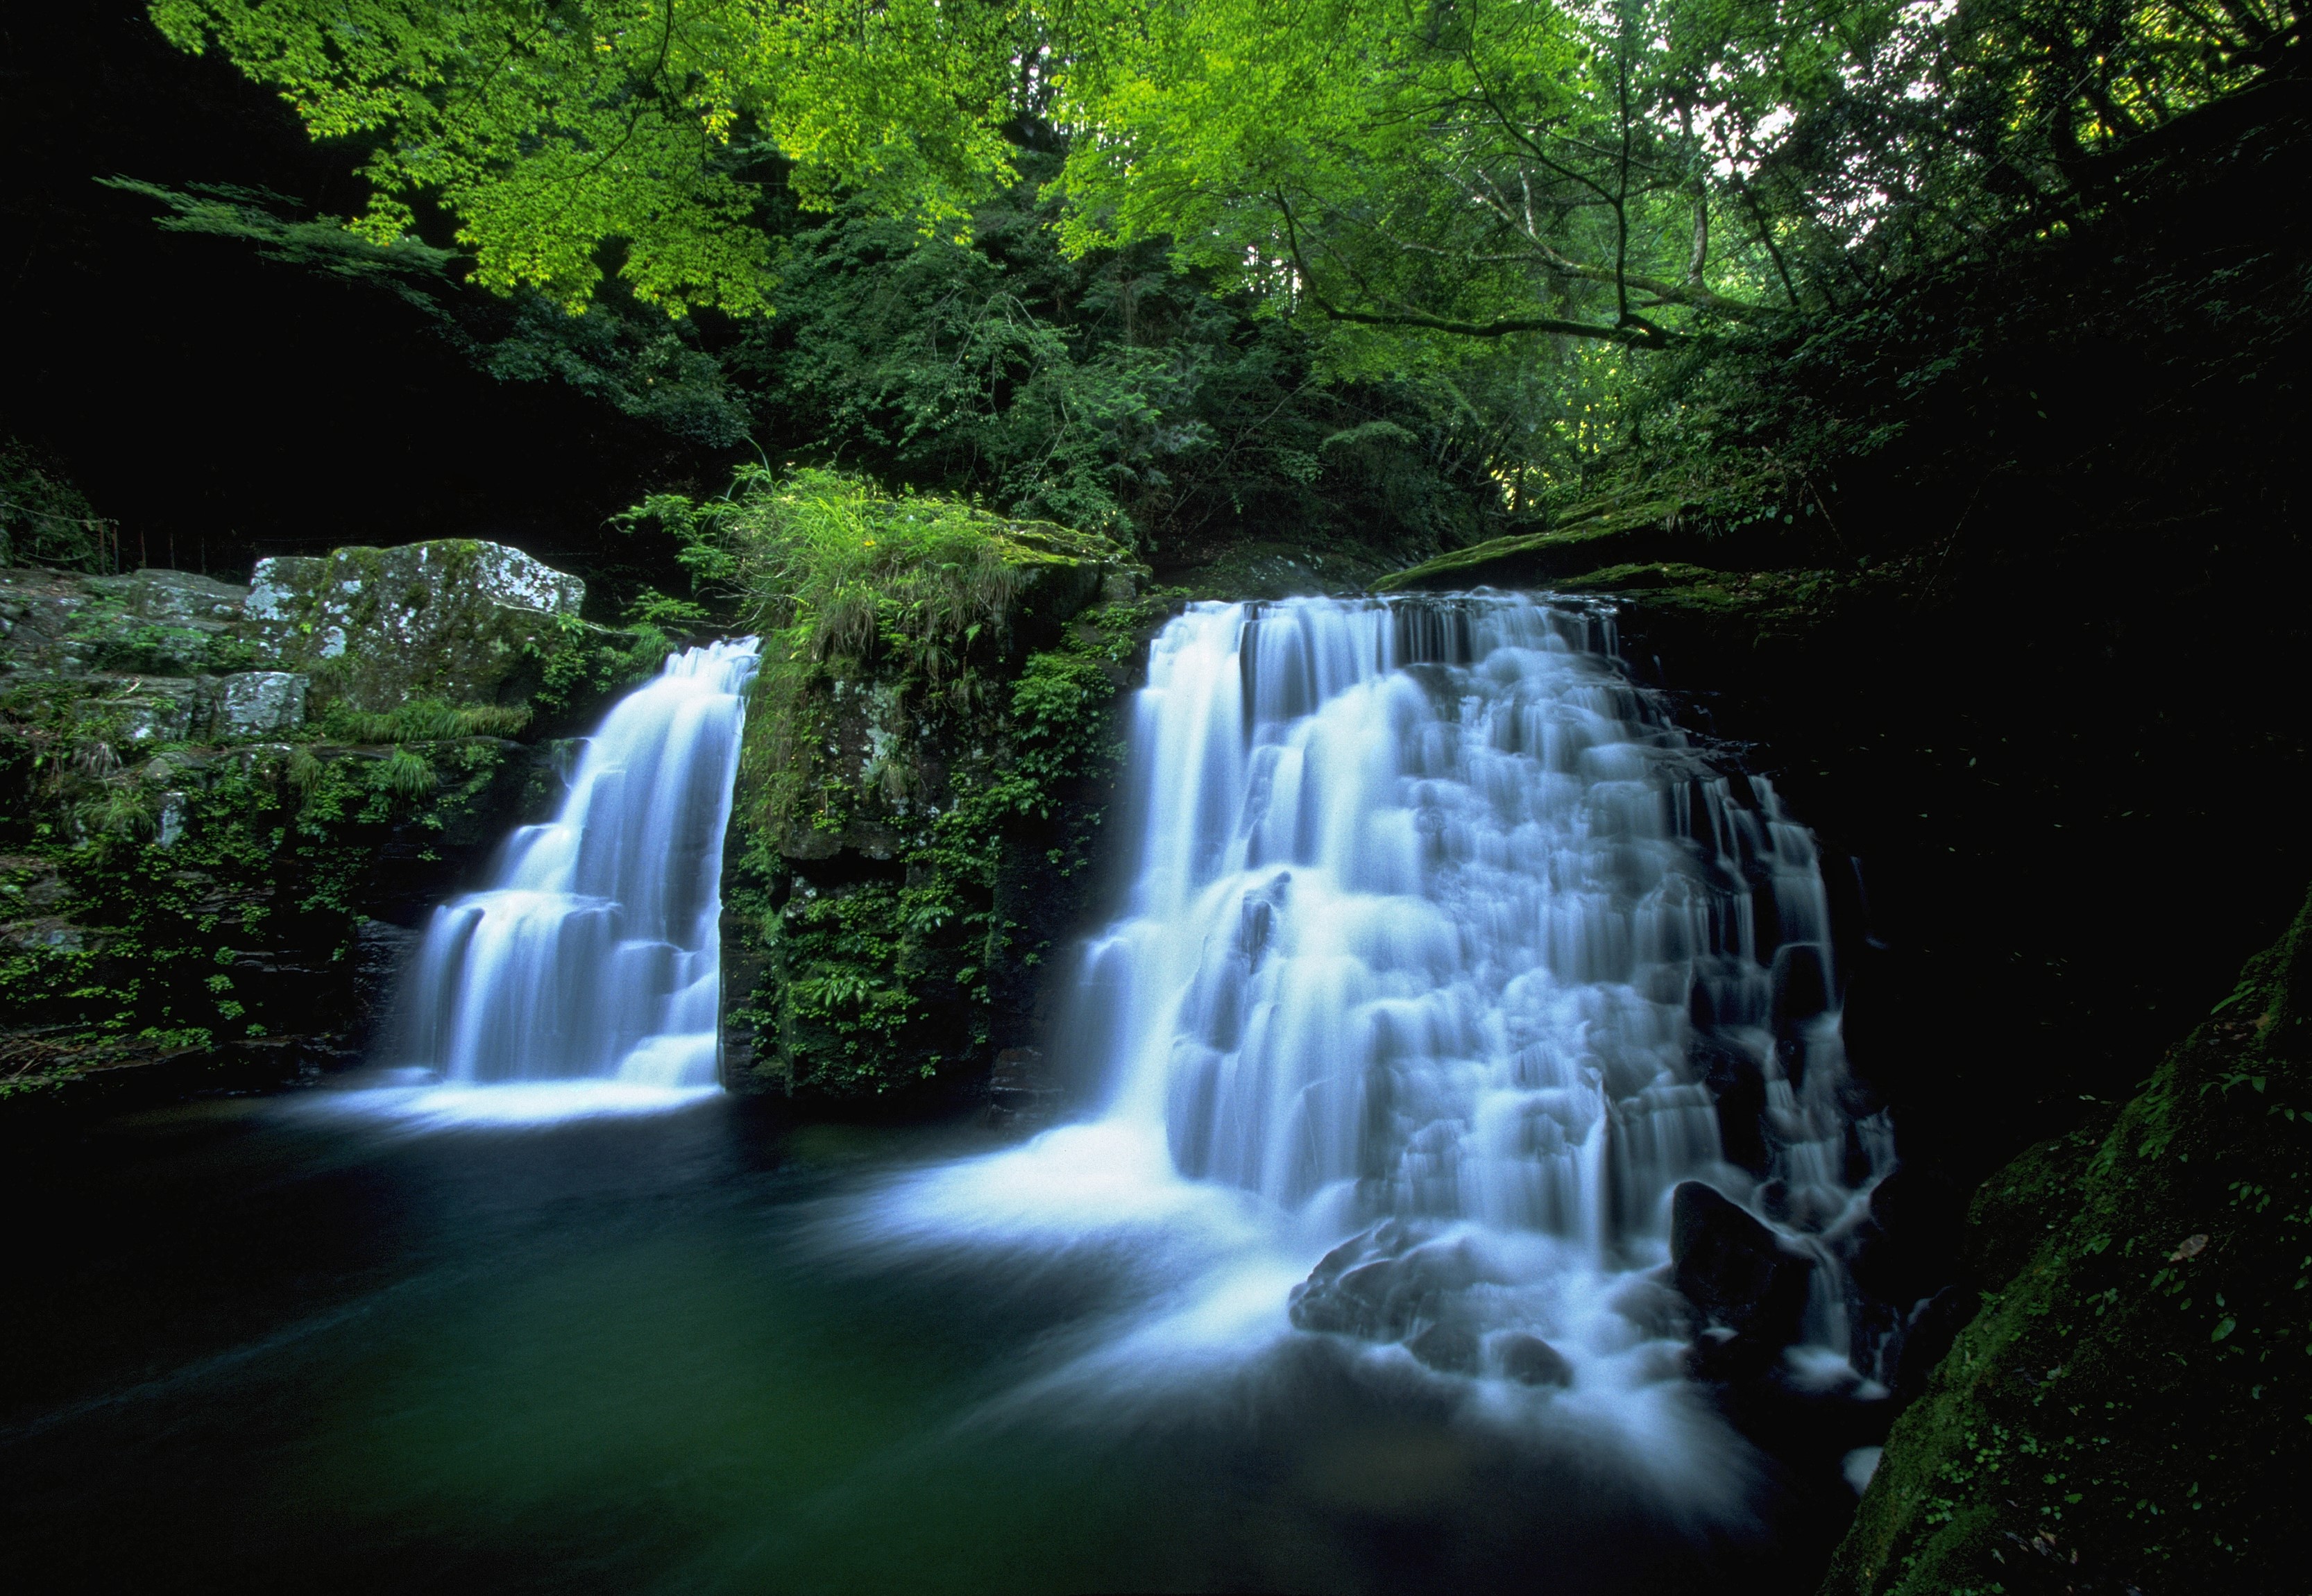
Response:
column 2130, row 1409
column 930, row 756
column 226, row 810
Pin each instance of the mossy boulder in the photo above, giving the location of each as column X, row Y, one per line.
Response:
column 455, row 620
column 2132, row 1405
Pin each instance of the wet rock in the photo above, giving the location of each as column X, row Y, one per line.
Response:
column 1801, row 985
column 1927, row 1333
column 1530, row 1361
column 1733, row 1269
column 1448, row 1347
column 1382, row 1283
column 253, row 703
column 1655, row 1310
column 382, row 952
column 1021, row 1093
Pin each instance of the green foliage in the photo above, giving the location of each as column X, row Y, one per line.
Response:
column 1503, row 222
column 586, row 663
column 1106, row 392
column 144, row 948
column 425, row 720
column 407, row 267
column 45, row 519
column 835, row 567
column 630, row 354
column 119, row 641
column 989, row 783
column 552, row 131
column 407, row 772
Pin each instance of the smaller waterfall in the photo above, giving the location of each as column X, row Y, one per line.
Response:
column 595, row 954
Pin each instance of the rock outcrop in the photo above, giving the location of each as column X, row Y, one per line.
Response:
column 912, row 844
column 1397, row 1283
column 227, row 808
column 1748, row 1287
column 2128, row 1411
column 460, row 621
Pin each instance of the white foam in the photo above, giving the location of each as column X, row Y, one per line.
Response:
column 524, row 1104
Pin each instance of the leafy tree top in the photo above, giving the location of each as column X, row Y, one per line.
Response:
column 1620, row 170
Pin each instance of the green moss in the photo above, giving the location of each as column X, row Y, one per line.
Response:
column 836, row 568
column 904, row 836
column 427, row 720
column 1751, row 519
column 141, row 949
column 2119, row 1410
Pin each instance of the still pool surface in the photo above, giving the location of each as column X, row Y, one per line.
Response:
column 323, row 1342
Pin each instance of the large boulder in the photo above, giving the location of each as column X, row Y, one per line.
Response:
column 1398, row 1281
column 1385, row 1284
column 459, row 620
column 1736, row 1271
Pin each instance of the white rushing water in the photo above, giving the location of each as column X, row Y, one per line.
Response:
column 1444, row 942
column 592, row 959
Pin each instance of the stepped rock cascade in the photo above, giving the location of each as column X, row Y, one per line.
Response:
column 1434, row 912
column 1447, row 960
column 595, row 954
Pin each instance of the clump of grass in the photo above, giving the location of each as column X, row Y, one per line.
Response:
column 838, row 567
column 405, row 772
column 121, row 807
column 428, row 720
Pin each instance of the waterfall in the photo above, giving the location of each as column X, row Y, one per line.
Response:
column 1446, row 958
column 1435, row 915
column 594, row 953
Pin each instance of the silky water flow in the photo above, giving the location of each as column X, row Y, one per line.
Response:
column 594, row 957
column 1446, row 957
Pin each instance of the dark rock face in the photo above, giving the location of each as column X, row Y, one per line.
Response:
column 1926, row 1335
column 1020, row 1093
column 1530, row 1360
column 1384, row 1284
column 1448, row 1347
column 1393, row 1283
column 1734, row 1270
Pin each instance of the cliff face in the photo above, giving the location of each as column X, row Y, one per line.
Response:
column 227, row 809
column 2130, row 1408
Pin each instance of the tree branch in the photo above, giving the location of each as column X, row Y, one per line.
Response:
column 1633, row 331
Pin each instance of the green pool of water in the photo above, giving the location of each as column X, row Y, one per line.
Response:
column 253, row 1344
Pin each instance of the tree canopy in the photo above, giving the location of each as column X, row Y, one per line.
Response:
column 1143, row 263
column 1614, row 171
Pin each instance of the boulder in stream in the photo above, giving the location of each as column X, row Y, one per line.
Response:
column 1384, row 1284
column 1736, row 1271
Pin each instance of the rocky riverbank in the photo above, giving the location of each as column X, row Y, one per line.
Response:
column 229, row 808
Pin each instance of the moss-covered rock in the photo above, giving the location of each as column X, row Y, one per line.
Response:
column 2131, row 1407
column 913, row 835
column 1758, row 521
column 455, row 620
column 201, row 885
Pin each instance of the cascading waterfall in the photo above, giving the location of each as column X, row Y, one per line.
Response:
column 1449, row 956
column 1436, row 919
column 594, row 955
